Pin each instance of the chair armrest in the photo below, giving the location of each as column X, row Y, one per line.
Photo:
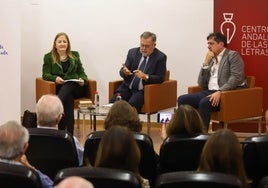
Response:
column 242, row 103
column 92, row 88
column 113, row 85
column 194, row 89
column 160, row 96
column 44, row 87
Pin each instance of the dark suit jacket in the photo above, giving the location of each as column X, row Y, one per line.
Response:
column 52, row 70
column 230, row 74
column 155, row 68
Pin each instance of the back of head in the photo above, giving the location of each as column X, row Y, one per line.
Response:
column 222, row 153
column 49, row 110
column 186, row 120
column 123, row 114
column 118, row 149
column 74, row 182
column 13, row 138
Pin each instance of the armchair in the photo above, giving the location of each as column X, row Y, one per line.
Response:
column 12, row 175
column 156, row 96
column 48, row 87
column 238, row 105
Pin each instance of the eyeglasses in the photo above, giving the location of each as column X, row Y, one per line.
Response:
column 145, row 46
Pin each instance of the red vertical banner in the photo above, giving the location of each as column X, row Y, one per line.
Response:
column 245, row 23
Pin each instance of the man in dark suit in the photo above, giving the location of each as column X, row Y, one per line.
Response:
column 144, row 65
column 222, row 70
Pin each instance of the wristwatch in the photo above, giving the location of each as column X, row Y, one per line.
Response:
column 147, row 76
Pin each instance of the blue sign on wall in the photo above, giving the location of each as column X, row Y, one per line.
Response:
column 2, row 50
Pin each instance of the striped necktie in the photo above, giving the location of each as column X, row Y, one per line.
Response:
column 136, row 80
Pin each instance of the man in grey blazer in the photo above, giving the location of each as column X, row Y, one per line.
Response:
column 222, row 70
column 144, row 65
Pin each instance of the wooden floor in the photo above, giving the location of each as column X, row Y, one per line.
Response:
column 82, row 132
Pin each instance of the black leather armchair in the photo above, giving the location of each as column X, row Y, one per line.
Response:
column 179, row 153
column 193, row 179
column 51, row 150
column 18, row 176
column 101, row 177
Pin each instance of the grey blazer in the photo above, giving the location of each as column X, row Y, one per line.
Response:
column 231, row 73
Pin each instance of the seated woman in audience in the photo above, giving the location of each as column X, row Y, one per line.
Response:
column 186, row 121
column 119, row 150
column 222, row 153
column 123, row 114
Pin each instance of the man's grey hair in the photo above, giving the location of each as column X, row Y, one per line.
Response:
column 48, row 109
column 148, row 34
column 13, row 138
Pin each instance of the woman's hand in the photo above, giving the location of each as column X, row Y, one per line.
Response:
column 59, row 80
column 81, row 82
column 163, row 131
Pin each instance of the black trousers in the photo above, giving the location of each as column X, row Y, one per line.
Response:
column 67, row 93
column 134, row 97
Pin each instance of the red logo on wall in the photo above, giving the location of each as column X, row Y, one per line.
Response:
column 228, row 27
column 245, row 24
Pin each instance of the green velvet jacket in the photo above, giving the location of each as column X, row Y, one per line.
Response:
column 52, row 70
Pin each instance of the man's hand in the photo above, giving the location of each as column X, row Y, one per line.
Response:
column 23, row 159
column 208, row 58
column 140, row 74
column 126, row 71
column 214, row 98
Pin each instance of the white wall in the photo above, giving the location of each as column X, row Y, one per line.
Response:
column 103, row 31
column 10, row 90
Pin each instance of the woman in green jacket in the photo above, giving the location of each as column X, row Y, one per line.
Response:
column 60, row 66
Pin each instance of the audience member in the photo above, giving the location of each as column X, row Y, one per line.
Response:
column 222, row 153
column 144, row 65
column 74, row 182
column 222, row 70
column 186, row 121
column 119, row 150
column 49, row 111
column 14, row 140
column 123, row 114
column 62, row 64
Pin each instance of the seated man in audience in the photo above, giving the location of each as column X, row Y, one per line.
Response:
column 49, row 111
column 13, row 145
